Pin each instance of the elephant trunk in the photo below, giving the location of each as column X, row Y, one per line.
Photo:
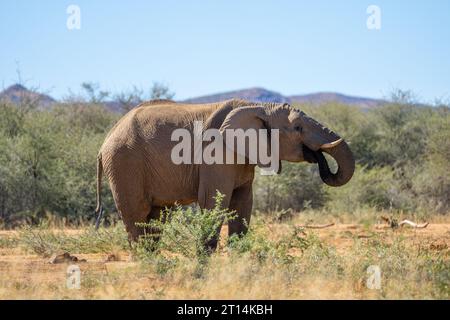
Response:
column 318, row 139
column 343, row 156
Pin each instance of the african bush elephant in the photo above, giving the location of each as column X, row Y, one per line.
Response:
column 136, row 158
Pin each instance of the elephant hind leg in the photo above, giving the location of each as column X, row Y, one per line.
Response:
column 133, row 214
column 124, row 169
column 133, row 207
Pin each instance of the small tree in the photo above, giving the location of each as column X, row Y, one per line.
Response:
column 130, row 99
column 160, row 91
column 93, row 92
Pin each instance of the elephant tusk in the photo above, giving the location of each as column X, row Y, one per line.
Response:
column 331, row 144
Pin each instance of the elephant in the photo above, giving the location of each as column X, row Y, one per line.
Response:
column 136, row 158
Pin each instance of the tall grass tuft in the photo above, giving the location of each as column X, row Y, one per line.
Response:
column 45, row 241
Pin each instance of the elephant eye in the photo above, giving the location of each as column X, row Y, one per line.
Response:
column 298, row 129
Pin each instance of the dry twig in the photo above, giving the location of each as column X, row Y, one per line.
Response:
column 317, row 226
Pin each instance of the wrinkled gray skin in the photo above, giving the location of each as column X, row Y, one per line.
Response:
column 136, row 158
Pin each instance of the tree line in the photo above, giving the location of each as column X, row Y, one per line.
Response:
column 402, row 150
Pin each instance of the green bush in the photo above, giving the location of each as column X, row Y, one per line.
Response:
column 298, row 187
column 431, row 184
column 47, row 162
column 375, row 187
column 182, row 233
column 279, row 251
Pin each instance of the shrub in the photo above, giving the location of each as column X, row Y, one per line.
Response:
column 298, row 187
column 283, row 250
column 47, row 162
column 182, row 233
column 432, row 182
column 377, row 187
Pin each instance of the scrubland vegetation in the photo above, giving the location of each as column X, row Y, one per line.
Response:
column 47, row 195
column 47, row 161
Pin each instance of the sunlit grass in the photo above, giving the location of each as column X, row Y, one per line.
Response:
column 275, row 260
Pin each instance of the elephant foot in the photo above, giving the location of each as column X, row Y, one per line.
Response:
column 211, row 246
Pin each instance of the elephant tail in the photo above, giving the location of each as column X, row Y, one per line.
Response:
column 99, row 209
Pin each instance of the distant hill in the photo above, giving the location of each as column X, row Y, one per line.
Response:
column 264, row 95
column 252, row 94
column 17, row 93
column 324, row 97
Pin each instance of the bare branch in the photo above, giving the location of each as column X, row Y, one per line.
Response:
column 317, row 226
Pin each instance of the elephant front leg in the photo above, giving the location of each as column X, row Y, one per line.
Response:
column 154, row 231
column 206, row 200
column 241, row 203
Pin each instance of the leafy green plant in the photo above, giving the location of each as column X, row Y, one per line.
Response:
column 182, row 233
column 257, row 244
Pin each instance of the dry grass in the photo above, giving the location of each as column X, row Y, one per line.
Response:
column 276, row 261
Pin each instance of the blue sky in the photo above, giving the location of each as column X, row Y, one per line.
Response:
column 202, row 47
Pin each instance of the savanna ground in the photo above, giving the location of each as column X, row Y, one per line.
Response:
column 278, row 259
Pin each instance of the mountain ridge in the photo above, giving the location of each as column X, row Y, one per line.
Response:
column 17, row 93
column 258, row 94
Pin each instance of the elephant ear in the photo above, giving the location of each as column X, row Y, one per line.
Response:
column 245, row 123
column 249, row 117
